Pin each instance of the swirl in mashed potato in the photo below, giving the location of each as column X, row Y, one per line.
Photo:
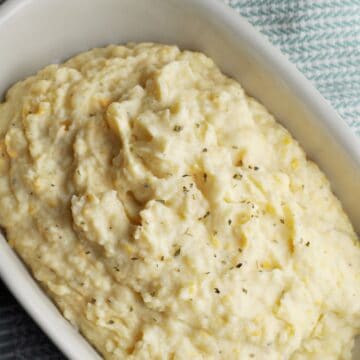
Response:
column 169, row 216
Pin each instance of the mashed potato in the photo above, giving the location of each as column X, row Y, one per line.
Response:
column 169, row 216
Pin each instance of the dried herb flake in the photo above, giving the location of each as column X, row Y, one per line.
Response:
column 177, row 128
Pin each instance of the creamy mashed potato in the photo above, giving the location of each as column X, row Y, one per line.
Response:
column 169, row 216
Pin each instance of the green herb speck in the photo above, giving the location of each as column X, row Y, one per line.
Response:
column 177, row 128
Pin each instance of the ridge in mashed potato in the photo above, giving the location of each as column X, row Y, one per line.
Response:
column 169, row 216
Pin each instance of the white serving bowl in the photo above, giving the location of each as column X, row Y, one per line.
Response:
column 35, row 33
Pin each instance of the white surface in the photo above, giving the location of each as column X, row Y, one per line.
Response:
column 34, row 33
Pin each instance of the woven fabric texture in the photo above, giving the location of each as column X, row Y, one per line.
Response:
column 322, row 37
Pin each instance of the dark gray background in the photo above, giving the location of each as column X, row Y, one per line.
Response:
column 20, row 337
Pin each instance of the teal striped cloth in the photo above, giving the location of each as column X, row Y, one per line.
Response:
column 322, row 38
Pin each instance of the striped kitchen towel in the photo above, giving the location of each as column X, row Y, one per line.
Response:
column 322, row 38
